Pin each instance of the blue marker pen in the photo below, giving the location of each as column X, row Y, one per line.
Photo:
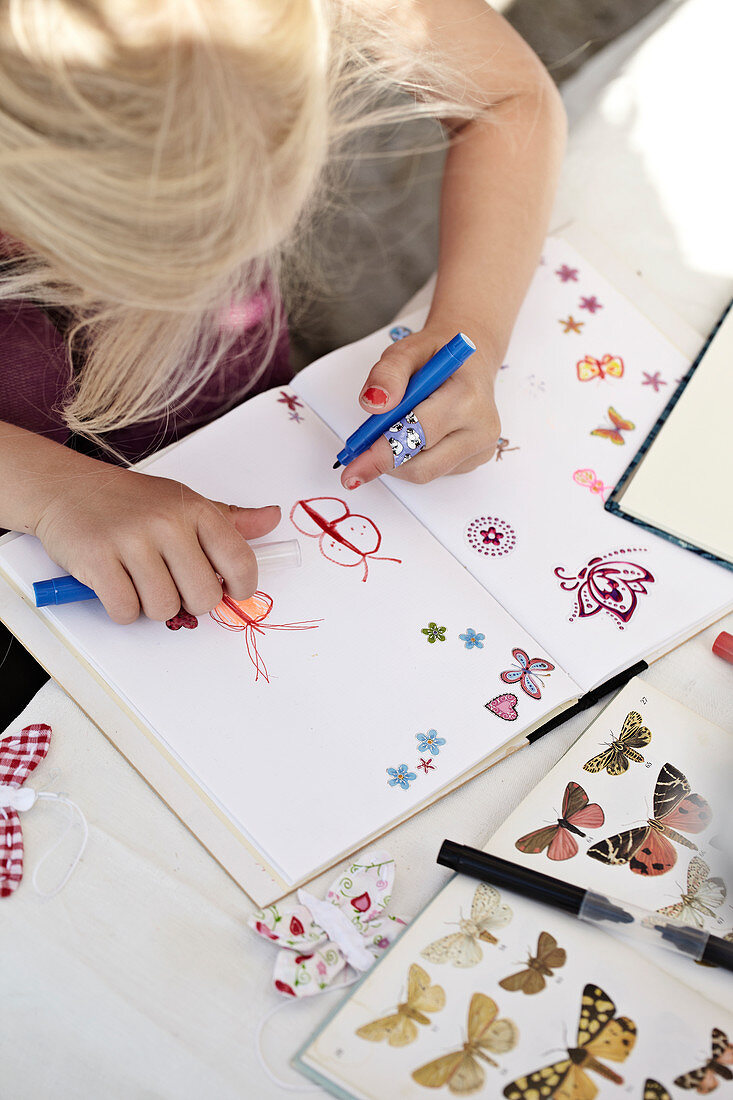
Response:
column 424, row 382
column 57, row 590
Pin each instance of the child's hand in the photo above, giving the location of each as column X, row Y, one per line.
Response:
column 460, row 419
column 148, row 543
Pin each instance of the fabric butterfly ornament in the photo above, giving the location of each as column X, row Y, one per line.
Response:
column 607, row 584
column 647, row 849
column 702, row 896
column 600, row 1034
column 539, row 967
column 560, row 844
column 463, row 948
column 615, row 759
column 461, row 1070
column 529, row 673
column 321, row 938
column 703, row 1079
column 400, row 1028
column 20, row 754
column 589, row 368
column 619, row 425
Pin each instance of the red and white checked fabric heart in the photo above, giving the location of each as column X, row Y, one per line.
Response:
column 20, row 754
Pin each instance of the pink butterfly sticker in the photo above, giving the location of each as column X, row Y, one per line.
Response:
column 528, row 673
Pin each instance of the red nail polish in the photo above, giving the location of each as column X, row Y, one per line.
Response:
column 353, row 482
column 375, row 396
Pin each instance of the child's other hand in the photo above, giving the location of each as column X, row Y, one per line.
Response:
column 148, row 543
column 460, row 419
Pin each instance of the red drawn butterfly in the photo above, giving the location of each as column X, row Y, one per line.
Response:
column 528, row 673
column 249, row 615
column 343, row 538
column 20, row 754
column 607, row 584
column 647, row 849
column 619, row 425
column 558, row 839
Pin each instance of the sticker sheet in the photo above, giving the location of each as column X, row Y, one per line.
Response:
column 585, row 378
column 488, row 993
column 344, row 694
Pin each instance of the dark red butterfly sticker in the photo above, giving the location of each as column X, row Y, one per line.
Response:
column 577, row 811
column 609, row 584
column 648, row 848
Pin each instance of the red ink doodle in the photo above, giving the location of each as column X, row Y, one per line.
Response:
column 591, row 304
column 290, row 400
column 607, row 584
column 502, row 445
column 183, row 618
column 249, row 615
column 343, row 538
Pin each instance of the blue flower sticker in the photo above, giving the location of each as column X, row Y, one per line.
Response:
column 399, row 332
column 401, row 777
column 472, row 639
column 429, row 742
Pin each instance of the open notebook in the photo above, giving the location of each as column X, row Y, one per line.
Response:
column 282, row 743
column 592, row 1013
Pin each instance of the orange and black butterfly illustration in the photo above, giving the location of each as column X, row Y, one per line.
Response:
column 703, row 1079
column 399, row 1028
column 647, row 849
column 540, row 966
column 558, row 838
column 461, row 1070
column 601, row 1034
column 619, row 425
column 615, row 759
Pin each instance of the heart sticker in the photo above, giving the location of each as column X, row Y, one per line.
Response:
column 504, row 706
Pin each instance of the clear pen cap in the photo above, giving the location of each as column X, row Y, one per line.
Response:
column 278, row 555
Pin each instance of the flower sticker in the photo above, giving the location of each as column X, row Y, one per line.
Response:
column 434, row 632
column 401, row 777
column 429, row 742
column 471, row 639
column 490, row 536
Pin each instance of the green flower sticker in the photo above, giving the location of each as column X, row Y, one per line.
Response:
column 434, row 633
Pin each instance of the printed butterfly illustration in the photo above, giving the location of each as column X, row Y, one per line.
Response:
column 248, row 616
column 703, row 1080
column 540, row 966
column 343, row 538
column 619, row 425
column 463, row 948
column 589, row 368
column 558, row 839
column 20, row 754
column 607, row 584
column 400, row 1028
column 461, row 1070
column 654, row 1091
column 647, row 849
column 702, row 896
column 601, row 1034
column 588, row 479
column 529, row 673
column 615, row 759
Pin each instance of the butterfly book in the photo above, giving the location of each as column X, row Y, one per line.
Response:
column 431, row 629
column 489, row 993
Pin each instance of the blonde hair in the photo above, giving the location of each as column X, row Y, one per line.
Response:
column 157, row 156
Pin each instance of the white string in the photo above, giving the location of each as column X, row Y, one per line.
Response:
column 70, row 824
column 289, row 1086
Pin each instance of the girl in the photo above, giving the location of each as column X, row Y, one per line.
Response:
column 156, row 159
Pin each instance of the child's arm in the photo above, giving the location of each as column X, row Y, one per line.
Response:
column 498, row 188
column 141, row 542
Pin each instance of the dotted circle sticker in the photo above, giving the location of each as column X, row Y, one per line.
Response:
column 490, row 536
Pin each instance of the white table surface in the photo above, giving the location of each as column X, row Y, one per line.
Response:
column 140, row 979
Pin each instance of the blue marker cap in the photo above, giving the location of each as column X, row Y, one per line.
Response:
column 61, row 590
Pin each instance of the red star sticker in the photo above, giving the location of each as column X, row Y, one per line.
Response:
column 290, row 400
column 571, row 325
column 567, row 274
column 426, row 765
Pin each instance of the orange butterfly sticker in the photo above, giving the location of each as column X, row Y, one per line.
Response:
column 619, row 425
column 589, row 367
